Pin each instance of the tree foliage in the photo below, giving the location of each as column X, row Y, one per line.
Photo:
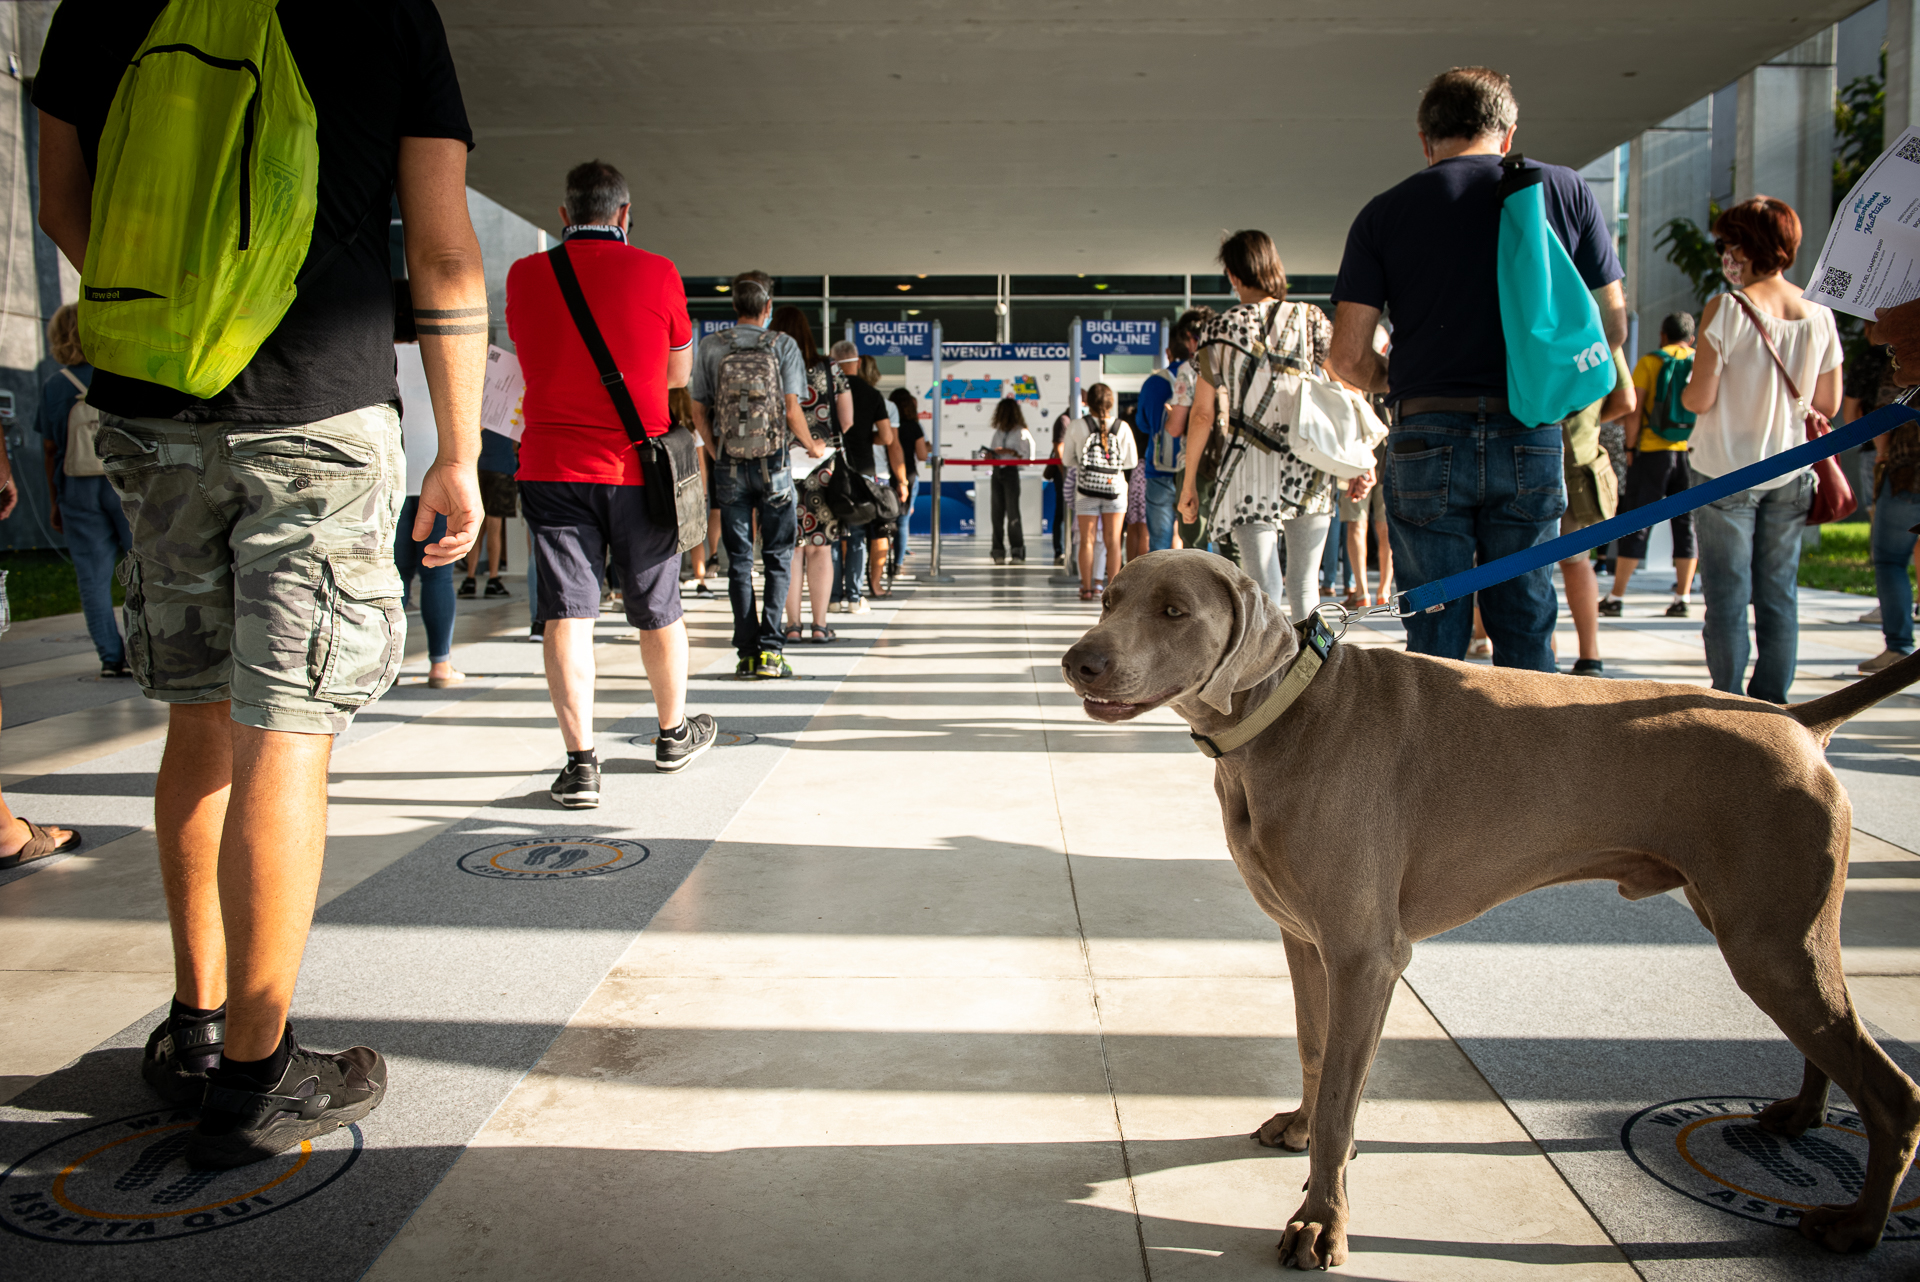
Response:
column 1691, row 250
column 1859, row 128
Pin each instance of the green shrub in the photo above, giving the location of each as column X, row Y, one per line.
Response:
column 1841, row 562
column 40, row 583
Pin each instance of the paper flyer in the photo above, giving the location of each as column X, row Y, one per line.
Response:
column 804, row 464
column 1872, row 255
column 502, row 393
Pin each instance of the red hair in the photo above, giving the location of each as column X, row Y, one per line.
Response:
column 1765, row 229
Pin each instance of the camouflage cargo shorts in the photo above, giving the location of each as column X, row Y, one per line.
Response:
column 262, row 568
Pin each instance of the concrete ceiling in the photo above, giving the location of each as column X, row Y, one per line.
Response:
column 879, row 136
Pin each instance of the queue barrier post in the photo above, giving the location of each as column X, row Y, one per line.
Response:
column 934, row 574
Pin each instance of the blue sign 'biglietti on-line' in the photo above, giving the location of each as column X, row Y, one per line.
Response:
column 912, row 339
column 714, row 327
column 1119, row 338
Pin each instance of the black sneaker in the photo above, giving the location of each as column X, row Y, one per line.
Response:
column 319, row 1092
column 538, row 632
column 496, row 588
column 176, row 1060
column 1588, row 668
column 771, row 666
column 115, row 671
column 670, row 755
column 1678, row 610
column 703, row 592
column 466, row 586
column 1611, row 606
column 578, row 786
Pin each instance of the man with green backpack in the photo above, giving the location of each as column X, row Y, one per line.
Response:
column 1657, row 463
column 221, row 174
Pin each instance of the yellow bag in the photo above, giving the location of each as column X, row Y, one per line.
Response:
column 203, row 199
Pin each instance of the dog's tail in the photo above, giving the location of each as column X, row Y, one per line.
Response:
column 1828, row 713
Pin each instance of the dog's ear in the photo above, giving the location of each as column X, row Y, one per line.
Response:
column 1259, row 642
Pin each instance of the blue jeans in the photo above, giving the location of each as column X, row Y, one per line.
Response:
column 1332, row 556
column 1459, row 490
column 1894, row 515
column 850, row 565
column 742, row 493
column 1163, row 493
column 898, row 552
column 97, row 536
column 1750, row 555
column 436, row 581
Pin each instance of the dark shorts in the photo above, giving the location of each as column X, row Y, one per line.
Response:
column 499, row 494
column 574, row 525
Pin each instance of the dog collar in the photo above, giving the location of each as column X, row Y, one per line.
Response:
column 1316, row 643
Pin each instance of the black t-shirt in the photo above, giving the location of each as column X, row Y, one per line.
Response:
column 1427, row 252
column 378, row 71
column 911, row 433
column 869, row 408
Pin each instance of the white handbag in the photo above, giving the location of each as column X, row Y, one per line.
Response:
column 1335, row 430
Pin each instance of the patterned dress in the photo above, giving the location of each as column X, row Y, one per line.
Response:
column 1267, row 486
column 818, row 526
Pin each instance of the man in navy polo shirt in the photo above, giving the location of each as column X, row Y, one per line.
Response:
column 1465, row 480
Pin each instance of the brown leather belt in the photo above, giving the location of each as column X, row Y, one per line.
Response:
column 1449, row 405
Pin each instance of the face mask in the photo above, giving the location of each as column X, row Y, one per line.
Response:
column 1731, row 269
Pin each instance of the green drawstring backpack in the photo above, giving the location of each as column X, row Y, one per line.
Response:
column 1557, row 356
column 203, row 199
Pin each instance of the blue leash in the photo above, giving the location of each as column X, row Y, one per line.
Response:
column 1433, row 596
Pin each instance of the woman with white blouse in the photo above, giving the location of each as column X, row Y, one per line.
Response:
column 1750, row 541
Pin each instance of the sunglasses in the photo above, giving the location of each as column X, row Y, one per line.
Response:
column 1723, row 247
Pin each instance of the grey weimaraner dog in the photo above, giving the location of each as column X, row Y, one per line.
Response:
column 1759, row 842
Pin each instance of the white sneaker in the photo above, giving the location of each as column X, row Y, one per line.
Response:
column 1879, row 662
column 1871, row 616
column 859, row 607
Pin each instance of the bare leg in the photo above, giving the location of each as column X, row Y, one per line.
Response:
column 190, row 803
column 496, row 544
column 877, row 563
column 663, row 652
column 819, row 583
column 792, row 611
column 1683, row 568
column 1111, row 523
column 1623, row 568
column 1357, row 556
column 14, row 834
column 1384, row 550
column 1086, row 551
column 567, row 646
column 1583, row 603
column 271, row 851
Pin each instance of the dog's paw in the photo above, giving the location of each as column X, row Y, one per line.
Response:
column 1790, row 1116
column 1315, row 1239
column 1285, row 1130
column 1843, row 1229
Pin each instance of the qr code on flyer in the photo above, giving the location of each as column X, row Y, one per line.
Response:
column 1836, row 283
column 1910, row 150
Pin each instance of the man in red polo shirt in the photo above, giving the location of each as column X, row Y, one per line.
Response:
column 580, row 475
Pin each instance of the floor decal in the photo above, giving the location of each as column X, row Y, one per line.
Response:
column 1710, row 1150
column 126, row 1181
column 553, row 858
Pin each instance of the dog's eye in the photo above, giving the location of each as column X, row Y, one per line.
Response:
column 1174, row 612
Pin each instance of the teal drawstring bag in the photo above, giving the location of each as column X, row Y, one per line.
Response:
column 1557, row 357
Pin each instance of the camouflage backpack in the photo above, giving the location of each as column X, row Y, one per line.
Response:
column 750, row 414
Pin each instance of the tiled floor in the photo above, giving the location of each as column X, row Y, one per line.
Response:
column 968, row 988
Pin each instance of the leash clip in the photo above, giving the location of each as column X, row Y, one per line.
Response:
column 1343, row 618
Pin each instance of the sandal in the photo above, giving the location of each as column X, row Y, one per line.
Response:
column 823, row 634
column 1354, row 601
column 794, row 632
column 40, row 844
column 1088, row 594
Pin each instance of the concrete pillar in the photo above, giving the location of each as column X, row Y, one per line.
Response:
column 1903, row 68
column 1784, row 139
column 504, row 237
column 1669, row 176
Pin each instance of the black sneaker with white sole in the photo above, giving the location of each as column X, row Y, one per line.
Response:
column 177, row 1058
column 319, row 1092
column 578, row 786
column 671, row 754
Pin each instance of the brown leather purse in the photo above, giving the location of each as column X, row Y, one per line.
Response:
column 1832, row 496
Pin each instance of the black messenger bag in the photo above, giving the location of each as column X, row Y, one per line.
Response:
column 676, row 495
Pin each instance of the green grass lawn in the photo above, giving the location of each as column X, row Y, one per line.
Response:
column 40, row 583
column 1840, row 562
